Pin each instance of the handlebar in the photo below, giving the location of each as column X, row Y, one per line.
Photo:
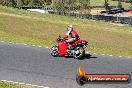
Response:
column 59, row 36
column 62, row 38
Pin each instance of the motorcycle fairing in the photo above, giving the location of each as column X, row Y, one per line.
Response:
column 62, row 48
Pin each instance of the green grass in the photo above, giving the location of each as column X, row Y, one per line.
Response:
column 113, row 3
column 43, row 29
column 9, row 85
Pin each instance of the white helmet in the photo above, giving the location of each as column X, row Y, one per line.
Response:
column 70, row 27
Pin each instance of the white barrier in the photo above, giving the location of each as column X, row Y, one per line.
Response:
column 39, row 10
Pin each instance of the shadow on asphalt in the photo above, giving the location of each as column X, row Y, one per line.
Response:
column 88, row 56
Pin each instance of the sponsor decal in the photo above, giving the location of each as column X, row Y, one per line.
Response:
column 82, row 78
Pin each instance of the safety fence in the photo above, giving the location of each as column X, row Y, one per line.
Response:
column 105, row 17
column 116, row 18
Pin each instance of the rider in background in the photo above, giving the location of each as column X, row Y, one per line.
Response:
column 73, row 36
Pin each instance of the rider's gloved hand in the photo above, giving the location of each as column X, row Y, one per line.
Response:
column 67, row 41
column 65, row 36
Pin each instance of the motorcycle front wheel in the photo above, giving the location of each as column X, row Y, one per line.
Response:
column 54, row 51
column 79, row 53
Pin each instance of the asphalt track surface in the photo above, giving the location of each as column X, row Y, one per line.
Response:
column 35, row 65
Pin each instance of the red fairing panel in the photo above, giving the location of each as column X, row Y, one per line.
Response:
column 62, row 48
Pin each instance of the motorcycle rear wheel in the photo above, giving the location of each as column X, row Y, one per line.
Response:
column 79, row 53
column 54, row 51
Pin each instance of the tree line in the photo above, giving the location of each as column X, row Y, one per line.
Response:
column 16, row 3
column 60, row 5
column 70, row 5
column 108, row 7
column 21, row 3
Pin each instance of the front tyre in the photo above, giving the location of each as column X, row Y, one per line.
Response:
column 54, row 51
column 79, row 52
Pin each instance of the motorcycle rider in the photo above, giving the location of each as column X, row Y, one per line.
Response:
column 73, row 36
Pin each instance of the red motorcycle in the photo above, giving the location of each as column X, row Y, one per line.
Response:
column 62, row 48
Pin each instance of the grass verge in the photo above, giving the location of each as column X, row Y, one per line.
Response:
column 43, row 29
column 9, row 85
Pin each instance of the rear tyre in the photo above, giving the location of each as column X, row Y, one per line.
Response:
column 79, row 53
column 54, row 51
